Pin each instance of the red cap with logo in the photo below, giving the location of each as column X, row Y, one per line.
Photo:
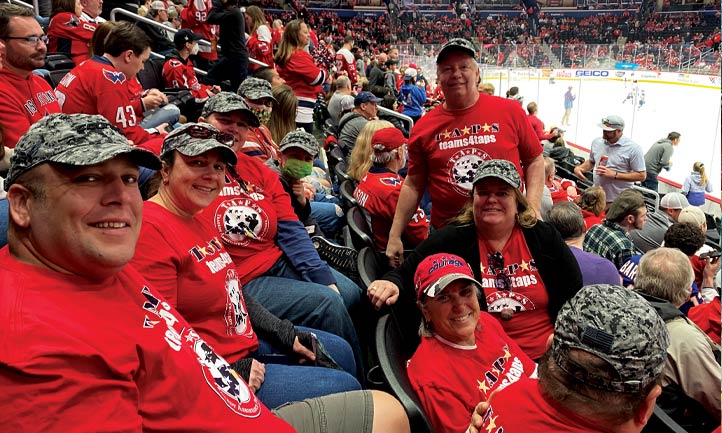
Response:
column 387, row 139
column 437, row 271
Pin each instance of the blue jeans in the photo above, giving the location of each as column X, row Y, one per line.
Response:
column 651, row 182
column 284, row 293
column 3, row 222
column 281, row 383
column 329, row 216
column 168, row 113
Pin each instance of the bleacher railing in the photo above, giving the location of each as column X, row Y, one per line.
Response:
column 683, row 58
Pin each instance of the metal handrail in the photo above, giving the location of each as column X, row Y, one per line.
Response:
column 28, row 5
column 114, row 12
column 398, row 115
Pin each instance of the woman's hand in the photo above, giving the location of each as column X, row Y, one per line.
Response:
column 382, row 292
column 304, row 352
column 258, row 374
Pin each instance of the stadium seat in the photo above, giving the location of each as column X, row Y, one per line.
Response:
column 56, row 76
column 651, row 198
column 370, row 265
column 341, row 169
column 358, row 219
column 393, row 367
column 56, row 61
column 346, row 190
column 660, row 422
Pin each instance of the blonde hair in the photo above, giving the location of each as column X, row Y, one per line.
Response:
column 593, row 200
column 289, row 42
column 283, row 116
column 525, row 214
column 698, row 167
column 258, row 19
column 487, row 88
column 360, row 160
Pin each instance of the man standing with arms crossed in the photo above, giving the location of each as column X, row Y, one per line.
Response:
column 448, row 144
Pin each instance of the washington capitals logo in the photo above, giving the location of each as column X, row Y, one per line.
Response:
column 391, row 181
column 114, row 77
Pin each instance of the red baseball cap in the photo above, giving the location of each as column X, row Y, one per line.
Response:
column 437, row 271
column 387, row 139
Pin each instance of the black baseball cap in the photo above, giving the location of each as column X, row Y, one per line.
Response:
column 185, row 35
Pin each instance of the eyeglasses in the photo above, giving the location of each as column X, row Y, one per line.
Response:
column 30, row 40
column 496, row 264
column 202, row 132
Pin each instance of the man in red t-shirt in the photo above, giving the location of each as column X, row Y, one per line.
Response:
column 104, row 349
column 600, row 373
column 448, row 143
column 26, row 97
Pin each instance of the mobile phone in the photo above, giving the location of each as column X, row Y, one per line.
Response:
column 711, row 254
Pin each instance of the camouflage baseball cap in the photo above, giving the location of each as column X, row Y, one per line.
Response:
column 456, row 44
column 192, row 139
column 620, row 327
column 301, row 139
column 500, row 169
column 255, row 88
column 74, row 139
column 226, row 102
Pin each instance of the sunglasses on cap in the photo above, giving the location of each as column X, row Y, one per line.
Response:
column 201, row 132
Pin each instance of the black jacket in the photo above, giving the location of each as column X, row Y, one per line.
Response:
column 556, row 264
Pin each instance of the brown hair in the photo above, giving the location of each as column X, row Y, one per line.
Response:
column 258, row 19
column 593, row 200
column 283, row 116
column 289, row 42
column 525, row 214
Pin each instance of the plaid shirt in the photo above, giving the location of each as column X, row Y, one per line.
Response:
column 611, row 241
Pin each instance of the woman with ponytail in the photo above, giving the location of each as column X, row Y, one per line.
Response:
column 696, row 185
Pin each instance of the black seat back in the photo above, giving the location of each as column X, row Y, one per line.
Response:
column 346, row 190
column 358, row 222
column 393, row 367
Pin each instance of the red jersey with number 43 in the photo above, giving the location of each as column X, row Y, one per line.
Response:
column 527, row 297
column 96, row 87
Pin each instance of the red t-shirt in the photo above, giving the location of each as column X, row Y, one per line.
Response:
column 591, row 220
column 446, row 147
column 451, row 380
column 25, row 100
column 247, row 215
column 110, row 355
column 528, row 298
column 525, row 407
column 378, row 192
column 184, row 259
column 707, row 317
